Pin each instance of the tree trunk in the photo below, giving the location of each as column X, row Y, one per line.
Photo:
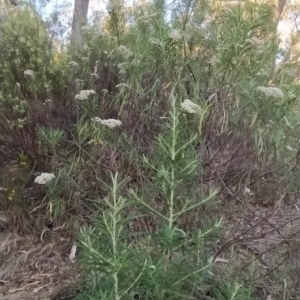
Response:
column 79, row 19
column 280, row 4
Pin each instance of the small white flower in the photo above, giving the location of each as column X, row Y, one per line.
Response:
column 104, row 91
column 271, row 91
column 28, row 72
column 84, row 94
column 18, row 84
column 175, row 35
column 111, row 123
column 96, row 119
column 48, row 101
column 44, row 178
column 248, row 192
column 73, row 63
column 190, row 107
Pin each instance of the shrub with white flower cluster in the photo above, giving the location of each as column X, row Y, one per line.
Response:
column 44, row 178
column 85, row 94
column 111, row 123
column 270, row 91
column 190, row 107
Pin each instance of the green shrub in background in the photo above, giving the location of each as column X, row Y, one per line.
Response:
column 103, row 121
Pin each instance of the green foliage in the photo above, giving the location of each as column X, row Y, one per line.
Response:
column 151, row 176
column 175, row 266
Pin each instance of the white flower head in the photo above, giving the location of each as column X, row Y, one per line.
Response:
column 28, row 72
column 85, row 94
column 270, row 91
column 44, row 178
column 175, row 35
column 96, row 119
column 111, row 123
column 190, row 107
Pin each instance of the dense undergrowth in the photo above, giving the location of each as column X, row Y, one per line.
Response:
column 150, row 130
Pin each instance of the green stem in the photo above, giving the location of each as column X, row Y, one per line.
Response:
column 114, row 240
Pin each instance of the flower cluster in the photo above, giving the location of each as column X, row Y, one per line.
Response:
column 175, row 35
column 271, row 91
column 84, row 94
column 190, row 107
column 111, row 123
column 44, row 178
column 124, row 51
column 28, row 72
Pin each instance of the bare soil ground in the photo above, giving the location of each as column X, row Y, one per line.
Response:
column 31, row 267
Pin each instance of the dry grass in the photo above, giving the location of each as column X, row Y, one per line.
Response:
column 32, row 265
